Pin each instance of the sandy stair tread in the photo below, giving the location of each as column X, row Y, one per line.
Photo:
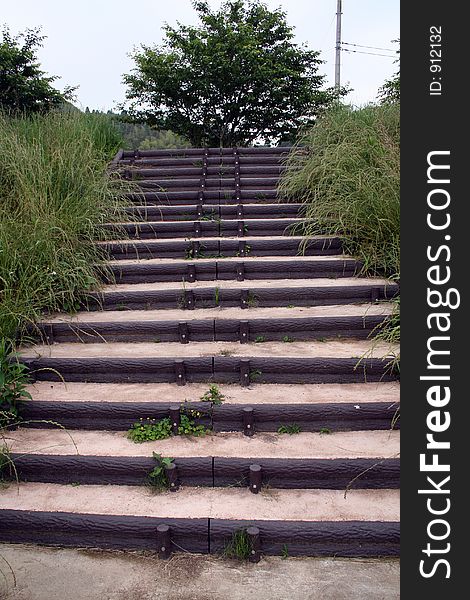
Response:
column 361, row 310
column 279, row 393
column 216, row 503
column 356, row 349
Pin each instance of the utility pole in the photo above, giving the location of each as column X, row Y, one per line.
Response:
column 339, row 12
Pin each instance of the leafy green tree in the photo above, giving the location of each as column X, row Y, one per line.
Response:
column 236, row 78
column 24, row 87
column 390, row 91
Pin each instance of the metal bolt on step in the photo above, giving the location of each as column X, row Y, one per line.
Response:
column 189, row 300
column 183, row 332
column 171, row 471
column 240, row 272
column 375, row 294
column 164, row 541
column 175, row 418
column 254, row 540
column 191, row 273
column 244, row 332
column 248, row 421
column 256, row 478
column 180, row 373
column 245, row 372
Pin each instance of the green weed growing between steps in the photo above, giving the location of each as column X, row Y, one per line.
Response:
column 54, row 197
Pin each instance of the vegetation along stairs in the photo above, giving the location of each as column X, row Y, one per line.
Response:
column 218, row 316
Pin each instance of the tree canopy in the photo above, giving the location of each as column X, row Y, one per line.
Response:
column 24, row 87
column 390, row 91
column 235, row 79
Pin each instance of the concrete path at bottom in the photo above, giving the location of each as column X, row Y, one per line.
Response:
column 58, row 574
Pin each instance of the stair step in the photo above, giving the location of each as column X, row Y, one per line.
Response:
column 195, row 161
column 333, row 393
column 337, row 445
column 216, row 247
column 221, row 362
column 229, row 268
column 219, row 152
column 333, row 474
column 311, row 349
column 110, row 458
column 117, row 416
column 202, row 503
column 244, row 294
column 220, row 324
column 229, row 211
column 203, row 520
column 216, row 197
column 150, row 168
column 208, row 229
column 152, row 179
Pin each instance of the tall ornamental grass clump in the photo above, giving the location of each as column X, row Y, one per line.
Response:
column 54, row 196
column 345, row 169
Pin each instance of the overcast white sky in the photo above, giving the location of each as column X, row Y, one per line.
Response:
column 88, row 40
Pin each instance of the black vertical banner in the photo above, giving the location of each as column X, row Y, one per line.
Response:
column 434, row 287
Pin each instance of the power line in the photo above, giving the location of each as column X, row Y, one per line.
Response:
column 370, row 53
column 370, row 47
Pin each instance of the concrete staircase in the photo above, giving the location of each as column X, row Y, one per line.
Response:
column 212, row 282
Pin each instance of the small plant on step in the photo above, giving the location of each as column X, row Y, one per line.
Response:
column 259, row 339
column 191, row 253
column 213, row 395
column 226, row 352
column 71, row 307
column 158, row 478
column 255, row 374
column 285, row 551
column 13, row 380
column 290, row 429
column 325, row 431
column 287, row 340
column 188, row 425
column 238, row 546
column 252, row 300
column 149, row 430
column 246, row 251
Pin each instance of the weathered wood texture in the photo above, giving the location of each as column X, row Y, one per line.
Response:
column 111, row 416
column 310, row 417
column 262, row 297
column 298, row 328
column 220, row 369
column 100, row 531
column 304, row 538
column 215, row 269
column 106, row 470
column 337, row 474
column 300, row 538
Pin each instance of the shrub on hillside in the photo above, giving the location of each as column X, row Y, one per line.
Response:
column 346, row 171
column 54, row 195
